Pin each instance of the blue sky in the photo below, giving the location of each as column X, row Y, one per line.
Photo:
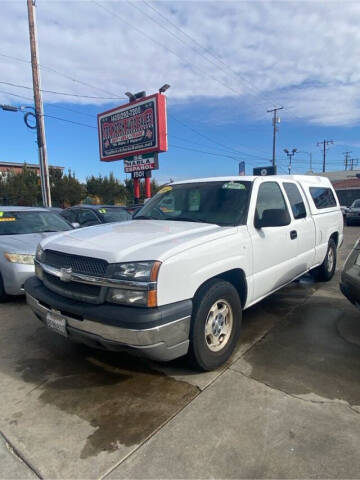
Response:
column 227, row 63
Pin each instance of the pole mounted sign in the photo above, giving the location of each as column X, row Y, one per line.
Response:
column 137, row 163
column 134, row 129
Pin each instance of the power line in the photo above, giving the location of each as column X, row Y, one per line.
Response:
column 51, row 69
column 212, row 140
column 193, row 40
column 63, row 93
column 115, row 14
column 48, row 105
column 70, row 121
column 236, row 159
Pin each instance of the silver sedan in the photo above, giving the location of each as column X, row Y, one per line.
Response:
column 21, row 230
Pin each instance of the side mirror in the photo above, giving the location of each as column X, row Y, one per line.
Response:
column 75, row 224
column 273, row 217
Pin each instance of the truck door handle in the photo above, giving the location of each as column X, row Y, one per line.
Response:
column 293, row 234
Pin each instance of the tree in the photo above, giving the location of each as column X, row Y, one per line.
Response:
column 108, row 189
column 66, row 190
column 21, row 188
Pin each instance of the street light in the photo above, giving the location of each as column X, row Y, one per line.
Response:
column 290, row 156
column 134, row 96
column 164, row 88
column 9, row 108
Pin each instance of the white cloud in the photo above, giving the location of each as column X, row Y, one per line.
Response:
column 300, row 54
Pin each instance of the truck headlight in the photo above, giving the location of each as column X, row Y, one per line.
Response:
column 22, row 258
column 137, row 298
column 144, row 273
column 135, row 271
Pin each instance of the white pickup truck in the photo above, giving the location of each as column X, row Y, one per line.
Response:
column 175, row 279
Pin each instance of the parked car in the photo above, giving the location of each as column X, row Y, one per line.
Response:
column 88, row 215
column 175, row 280
column 21, row 229
column 344, row 210
column 353, row 213
column 350, row 276
column 132, row 209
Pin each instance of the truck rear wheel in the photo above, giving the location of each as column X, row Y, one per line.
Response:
column 326, row 270
column 216, row 324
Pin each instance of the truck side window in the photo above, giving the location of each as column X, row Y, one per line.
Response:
column 295, row 199
column 323, row 197
column 271, row 198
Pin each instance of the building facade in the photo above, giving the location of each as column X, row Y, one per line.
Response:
column 14, row 167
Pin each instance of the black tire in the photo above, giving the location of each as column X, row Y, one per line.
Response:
column 3, row 295
column 326, row 270
column 214, row 292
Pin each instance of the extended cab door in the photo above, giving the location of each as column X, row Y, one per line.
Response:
column 274, row 244
column 304, row 225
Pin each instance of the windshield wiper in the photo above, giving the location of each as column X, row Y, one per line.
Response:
column 144, row 217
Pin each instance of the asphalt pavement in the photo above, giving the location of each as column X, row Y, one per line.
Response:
column 287, row 404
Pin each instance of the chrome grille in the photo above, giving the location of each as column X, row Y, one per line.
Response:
column 78, row 264
column 77, row 291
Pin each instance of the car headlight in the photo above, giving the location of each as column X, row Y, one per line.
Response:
column 22, row 258
column 135, row 271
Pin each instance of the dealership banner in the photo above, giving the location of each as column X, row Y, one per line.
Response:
column 133, row 129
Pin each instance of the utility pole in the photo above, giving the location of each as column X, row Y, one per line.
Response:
column 324, row 143
column 346, row 160
column 353, row 162
column 39, row 108
column 276, row 120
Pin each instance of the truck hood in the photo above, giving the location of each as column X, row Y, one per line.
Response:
column 26, row 243
column 136, row 240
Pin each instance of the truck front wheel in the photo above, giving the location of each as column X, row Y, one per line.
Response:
column 216, row 324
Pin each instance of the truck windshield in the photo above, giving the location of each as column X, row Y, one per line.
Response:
column 223, row 203
column 19, row 223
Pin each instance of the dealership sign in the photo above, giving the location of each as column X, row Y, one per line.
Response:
column 133, row 129
column 141, row 162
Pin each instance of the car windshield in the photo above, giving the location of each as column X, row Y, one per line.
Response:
column 356, row 204
column 220, row 202
column 114, row 214
column 21, row 222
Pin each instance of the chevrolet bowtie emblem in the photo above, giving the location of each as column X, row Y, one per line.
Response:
column 65, row 274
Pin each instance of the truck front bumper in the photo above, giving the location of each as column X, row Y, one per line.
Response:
column 160, row 333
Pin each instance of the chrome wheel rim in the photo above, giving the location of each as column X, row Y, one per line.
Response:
column 219, row 325
column 330, row 260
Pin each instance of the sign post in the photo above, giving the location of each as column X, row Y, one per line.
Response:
column 135, row 132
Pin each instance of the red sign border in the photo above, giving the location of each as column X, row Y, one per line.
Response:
column 161, row 128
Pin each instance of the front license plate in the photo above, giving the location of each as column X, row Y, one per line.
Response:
column 55, row 321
